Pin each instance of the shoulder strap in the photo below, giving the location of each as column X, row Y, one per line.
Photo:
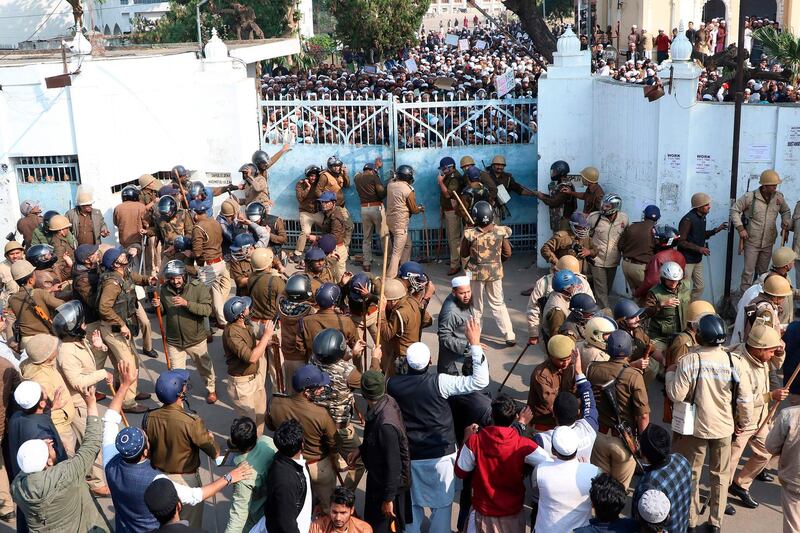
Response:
column 697, row 378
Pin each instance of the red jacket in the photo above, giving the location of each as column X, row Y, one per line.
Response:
column 652, row 273
column 496, row 456
column 662, row 42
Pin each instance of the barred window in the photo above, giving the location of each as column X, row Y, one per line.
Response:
column 49, row 168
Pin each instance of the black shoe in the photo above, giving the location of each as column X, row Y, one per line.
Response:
column 713, row 529
column 135, row 409
column 765, row 476
column 730, row 510
column 8, row 517
column 142, row 396
column 150, row 353
column 743, row 495
column 691, row 530
column 510, row 343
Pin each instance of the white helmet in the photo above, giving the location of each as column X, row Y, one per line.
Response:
column 671, row 271
column 595, row 330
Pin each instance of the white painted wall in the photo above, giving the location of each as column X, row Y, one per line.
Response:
column 126, row 117
column 634, row 142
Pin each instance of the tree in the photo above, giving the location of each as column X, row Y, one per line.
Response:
column 534, row 25
column 377, row 28
column 557, row 9
column 784, row 47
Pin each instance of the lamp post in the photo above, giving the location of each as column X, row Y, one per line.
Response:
column 199, row 35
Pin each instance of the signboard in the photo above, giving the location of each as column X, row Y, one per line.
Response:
column 451, row 39
column 411, row 65
column 463, row 45
column 480, row 45
column 504, row 83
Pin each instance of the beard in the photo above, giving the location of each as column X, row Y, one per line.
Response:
column 463, row 306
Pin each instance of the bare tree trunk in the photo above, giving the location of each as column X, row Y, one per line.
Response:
column 534, row 25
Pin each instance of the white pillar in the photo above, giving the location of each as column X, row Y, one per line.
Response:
column 306, row 8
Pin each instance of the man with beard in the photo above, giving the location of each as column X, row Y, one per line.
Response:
column 342, row 515
column 307, row 193
column 317, row 269
column 186, row 305
column 456, row 311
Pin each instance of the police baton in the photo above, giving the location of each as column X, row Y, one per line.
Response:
column 469, row 217
column 503, row 384
column 157, row 302
column 774, row 408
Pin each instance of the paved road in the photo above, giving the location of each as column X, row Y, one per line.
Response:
column 766, row 518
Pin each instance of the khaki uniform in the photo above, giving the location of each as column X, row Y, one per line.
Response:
column 50, row 379
column 317, row 280
column 371, row 193
column 130, row 218
column 761, row 230
column 786, row 309
column 471, row 194
column 7, row 284
column 712, row 391
column 401, row 328
column 335, row 222
column 23, row 303
column 561, row 204
column 168, row 230
column 265, row 288
column 212, row 271
column 77, row 364
column 605, row 236
column 309, row 326
column 762, row 309
column 546, row 383
column 593, row 198
column 666, row 322
column 257, row 189
column 337, row 184
column 400, row 205
column 63, row 246
column 152, row 252
column 293, row 355
column 26, row 226
column 538, row 299
column 176, row 438
column 454, row 183
column 565, row 243
column 118, row 306
column 784, row 440
column 486, row 249
column 186, row 328
column 590, row 354
column 240, row 274
column 246, row 380
column 554, row 313
column 637, row 247
column 88, row 228
column 759, row 392
column 309, row 215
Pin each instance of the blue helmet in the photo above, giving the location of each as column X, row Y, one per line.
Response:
column 201, row 206
column 327, row 196
column 327, row 295
column 619, row 344
column 315, row 254
column 362, row 279
column 235, row 307
column 564, row 279
column 169, row 385
column 240, row 244
column 627, row 309
column 182, row 243
column 446, row 162
column 167, row 207
column 110, row 257
column 413, row 272
column 473, row 174
column 327, row 243
column 652, row 212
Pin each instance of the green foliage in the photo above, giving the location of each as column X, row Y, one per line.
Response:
column 319, row 47
column 784, row 47
column 557, row 9
column 382, row 25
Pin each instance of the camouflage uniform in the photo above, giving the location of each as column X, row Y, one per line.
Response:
column 473, row 193
column 169, row 230
column 561, row 204
column 486, row 249
column 565, row 243
column 344, row 378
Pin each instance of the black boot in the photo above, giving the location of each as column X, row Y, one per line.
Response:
column 743, row 495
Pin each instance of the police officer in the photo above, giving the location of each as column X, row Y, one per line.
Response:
column 149, row 195
column 307, row 193
column 554, row 313
column 555, row 374
column 362, row 301
column 335, row 179
column 207, row 250
column 327, row 298
column 13, row 252
column 561, row 204
column 30, row 221
column 33, row 308
column 610, row 453
column 754, row 216
column 41, row 234
column 592, row 347
column 294, row 305
column 474, row 191
column 118, row 307
column 87, row 223
column 665, row 239
column 592, row 196
column 503, row 179
column 246, row 361
column 330, row 350
column 64, row 245
column 763, row 349
column 466, row 163
column 486, row 246
column 317, row 268
column 252, row 221
column 401, row 203
column 401, row 327
column 767, row 307
column 607, row 227
column 371, row 193
column 783, row 260
column 575, row 241
column 334, row 223
column 264, row 287
column 186, row 306
column 637, row 246
column 239, row 265
column 85, row 281
column 176, row 438
column 722, row 407
column 628, row 316
column 43, row 259
column 171, row 222
column 450, row 183
column 582, row 307
column 229, row 221
column 666, row 305
column 257, row 189
column 132, row 220
column 693, row 240
column 268, row 231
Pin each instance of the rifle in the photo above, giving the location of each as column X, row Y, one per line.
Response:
column 183, row 191
column 624, row 429
column 276, row 356
column 503, row 384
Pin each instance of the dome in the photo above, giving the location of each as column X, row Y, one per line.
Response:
column 681, row 48
column 568, row 43
column 215, row 49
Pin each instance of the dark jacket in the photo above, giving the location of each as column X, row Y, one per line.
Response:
column 185, row 325
column 286, row 495
column 178, row 527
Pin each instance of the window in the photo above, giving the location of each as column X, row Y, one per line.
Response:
column 49, row 168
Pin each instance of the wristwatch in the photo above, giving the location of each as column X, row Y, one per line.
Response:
column 228, row 478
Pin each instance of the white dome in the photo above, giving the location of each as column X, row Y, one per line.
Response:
column 568, row 43
column 681, row 48
column 215, row 49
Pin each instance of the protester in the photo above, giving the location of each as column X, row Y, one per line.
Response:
column 288, row 501
column 608, row 499
column 341, row 518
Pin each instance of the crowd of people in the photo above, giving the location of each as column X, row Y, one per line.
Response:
column 301, row 334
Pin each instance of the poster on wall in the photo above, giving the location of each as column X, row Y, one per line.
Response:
column 669, row 195
column 704, row 165
column 791, row 150
column 758, row 153
column 672, row 163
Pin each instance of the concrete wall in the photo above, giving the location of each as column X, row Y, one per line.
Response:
column 127, row 117
column 665, row 151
